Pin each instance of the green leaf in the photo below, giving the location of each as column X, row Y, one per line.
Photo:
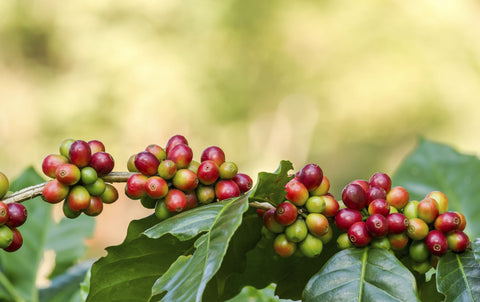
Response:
column 65, row 287
column 67, row 240
column 366, row 274
column 250, row 293
column 433, row 166
column 270, row 187
column 476, row 249
column 130, row 269
column 458, row 277
column 427, row 290
column 194, row 271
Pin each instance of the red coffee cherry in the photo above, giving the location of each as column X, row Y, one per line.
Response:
column 436, row 243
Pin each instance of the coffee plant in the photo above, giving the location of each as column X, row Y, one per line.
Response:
column 214, row 235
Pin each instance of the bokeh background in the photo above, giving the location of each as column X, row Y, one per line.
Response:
column 349, row 85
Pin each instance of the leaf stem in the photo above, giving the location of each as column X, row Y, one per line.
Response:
column 10, row 289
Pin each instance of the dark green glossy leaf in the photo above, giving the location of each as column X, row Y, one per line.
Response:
column 193, row 272
column 270, row 187
column 130, row 269
column 433, row 166
column 366, row 274
column 250, row 293
column 476, row 249
column 458, row 277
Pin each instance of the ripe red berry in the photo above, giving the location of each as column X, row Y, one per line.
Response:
column 397, row 223
column 68, row 174
column 297, row 193
column 3, row 213
column 213, row 153
column 354, row 197
column 175, row 201
column 377, row 225
column 156, row 187
column 427, row 210
column 208, row 172
column 380, row 180
column 331, row 206
column 346, row 217
column 78, row 199
column 458, row 241
column 54, row 191
column 436, row 243
column 286, row 213
column 17, row 214
column 96, row 146
column 146, row 163
column 243, row 181
column 135, row 186
column 102, row 162
column 182, row 155
column 95, row 207
column 17, row 241
column 192, row 200
column 270, row 223
column 225, row 189
column 80, row 153
column 447, row 222
column 375, row 193
column 175, row 140
column 398, row 197
column 358, row 234
column 379, row 206
column 157, row 151
column 51, row 162
column 311, row 176
column 362, row 183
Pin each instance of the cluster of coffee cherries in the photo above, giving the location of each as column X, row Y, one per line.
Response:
column 12, row 215
column 383, row 216
column 301, row 223
column 77, row 173
column 170, row 181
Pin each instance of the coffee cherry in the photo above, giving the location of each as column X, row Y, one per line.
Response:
column 297, row 231
column 4, row 185
column 346, row 217
column 110, row 195
column 311, row 176
column 447, row 222
column 418, row 251
column 135, row 186
column 359, row 235
column 161, row 210
column 185, row 180
column 176, row 201
column 436, row 243
column 65, row 147
column 322, row 189
column 286, row 213
column 317, row 224
column 397, row 223
column 379, row 206
column 157, row 151
column 375, row 193
column 398, row 197
column 17, row 241
column 243, row 181
column 6, row 236
column 362, row 183
column 441, row 199
column 213, row 153
column 311, row 247
column 343, row 242
column 156, row 187
column 96, row 146
column 167, row 169
column 193, row 166
column 17, row 214
column 411, row 209
column 54, row 191
column 354, row 197
column 148, row 202
column 225, row 189
column 50, row 164
column 68, row 174
column 131, row 164
column 95, row 207
column 78, row 199
column 271, row 223
column 205, row 194
column 297, row 193
column 208, row 172
column 463, row 221
column 315, row 204
column 381, row 243
column 228, row 170
column 417, row 229
column 331, row 206
column 3, row 213
column 327, row 237
column 102, row 162
column 97, row 188
column 422, row 267
column 175, row 140
column 398, row 241
column 146, row 163
column 380, row 180
column 192, row 200
column 68, row 212
column 80, row 153
column 283, row 247
column 427, row 210
column 182, row 155
column 377, row 225
column 458, row 241
column 88, row 175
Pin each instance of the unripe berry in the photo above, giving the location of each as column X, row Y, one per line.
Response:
column 131, row 164
column 102, row 162
column 148, row 202
column 322, row 189
column 311, row 176
column 271, row 223
column 297, row 193
column 243, row 181
column 88, row 175
column 54, row 191
column 441, row 199
column 418, row 251
column 463, row 221
column 65, row 147
column 68, row 212
column 167, row 169
column 225, row 189
column 380, row 180
column 427, row 210
column 146, row 163
column 411, row 209
column 354, row 197
column 182, row 155
column 417, row 229
column 50, row 164
column 135, row 186
column 436, row 243
column 381, row 243
column 95, row 207
column 80, row 153
column 110, row 195
column 398, row 197
column 397, row 223
column 68, row 174
column 208, row 172
column 213, row 153
column 78, row 199
column 359, row 235
column 379, row 206
column 343, row 242
column 6, row 236
column 205, row 194
column 377, row 225
column 458, row 241
column 447, row 222
column 4, row 185
column 283, row 247
column 286, row 213
column 346, row 217
column 228, row 170
column 17, row 214
column 97, row 188
column 297, row 231
column 327, row 237
column 315, row 204
column 176, row 201
column 175, row 140
column 317, row 224
column 3, row 213
column 193, row 166
column 157, row 151
column 161, row 210
column 185, row 180
column 331, row 206
column 96, row 146
column 17, row 241
column 398, row 241
column 311, row 247
column 156, row 187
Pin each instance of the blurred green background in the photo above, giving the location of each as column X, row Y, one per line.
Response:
column 350, row 86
